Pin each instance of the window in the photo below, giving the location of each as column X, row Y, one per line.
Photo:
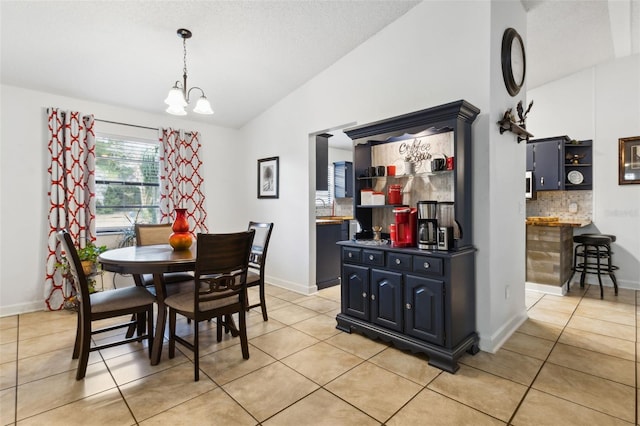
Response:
column 127, row 182
column 325, row 198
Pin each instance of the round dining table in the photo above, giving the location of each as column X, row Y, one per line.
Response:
column 157, row 260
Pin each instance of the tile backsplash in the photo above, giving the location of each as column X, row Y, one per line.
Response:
column 341, row 207
column 557, row 203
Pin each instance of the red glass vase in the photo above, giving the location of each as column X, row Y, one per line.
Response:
column 181, row 238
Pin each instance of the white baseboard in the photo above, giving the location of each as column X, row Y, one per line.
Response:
column 546, row 288
column 22, row 308
column 494, row 342
column 289, row 285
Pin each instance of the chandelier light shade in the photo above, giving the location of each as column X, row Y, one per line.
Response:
column 178, row 97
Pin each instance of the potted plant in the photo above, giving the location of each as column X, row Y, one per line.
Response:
column 89, row 258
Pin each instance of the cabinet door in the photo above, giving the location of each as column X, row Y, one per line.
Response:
column 546, row 174
column 386, row 299
column 424, row 309
column 343, row 179
column 530, row 156
column 355, row 291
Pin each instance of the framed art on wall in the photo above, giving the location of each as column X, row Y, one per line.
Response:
column 629, row 160
column 268, row 177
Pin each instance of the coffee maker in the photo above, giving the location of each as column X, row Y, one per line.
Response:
column 403, row 232
column 427, row 225
column 448, row 228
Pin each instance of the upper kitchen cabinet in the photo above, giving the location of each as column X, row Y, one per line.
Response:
column 322, row 162
column 578, row 165
column 559, row 163
column 343, row 179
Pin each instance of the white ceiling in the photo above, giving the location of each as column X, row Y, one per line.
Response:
column 247, row 55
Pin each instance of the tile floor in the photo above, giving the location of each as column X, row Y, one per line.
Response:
column 574, row 361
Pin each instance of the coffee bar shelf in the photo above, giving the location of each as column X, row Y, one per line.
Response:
column 408, row 176
column 419, row 300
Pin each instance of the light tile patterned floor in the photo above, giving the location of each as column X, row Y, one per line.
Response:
column 574, row 361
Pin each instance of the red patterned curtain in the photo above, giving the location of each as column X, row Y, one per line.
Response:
column 72, row 201
column 181, row 184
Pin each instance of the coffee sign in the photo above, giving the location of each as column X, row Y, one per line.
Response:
column 415, row 151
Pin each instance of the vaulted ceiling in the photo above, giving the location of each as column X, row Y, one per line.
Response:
column 247, row 55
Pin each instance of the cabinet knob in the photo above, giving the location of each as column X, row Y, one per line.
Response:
column 398, row 261
column 408, row 306
column 373, row 297
column 350, row 255
column 364, row 295
column 426, row 265
column 542, row 180
column 370, row 257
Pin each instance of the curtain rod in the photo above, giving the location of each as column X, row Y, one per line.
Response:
column 127, row 124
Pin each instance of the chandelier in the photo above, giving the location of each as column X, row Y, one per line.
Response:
column 178, row 97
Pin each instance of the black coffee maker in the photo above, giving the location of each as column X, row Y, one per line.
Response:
column 427, row 225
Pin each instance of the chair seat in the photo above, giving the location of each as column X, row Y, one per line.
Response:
column 183, row 302
column 593, row 240
column 169, row 278
column 173, row 289
column 119, row 299
column 613, row 237
column 252, row 277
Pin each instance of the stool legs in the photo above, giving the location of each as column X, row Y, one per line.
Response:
column 574, row 267
column 599, row 252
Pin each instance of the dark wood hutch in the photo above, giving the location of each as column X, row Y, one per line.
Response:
column 419, row 300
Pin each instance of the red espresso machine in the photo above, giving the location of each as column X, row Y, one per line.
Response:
column 403, row 232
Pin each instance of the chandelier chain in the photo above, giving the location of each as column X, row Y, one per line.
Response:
column 184, row 59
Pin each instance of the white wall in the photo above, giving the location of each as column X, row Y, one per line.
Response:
column 499, row 216
column 432, row 55
column 409, row 66
column 602, row 104
column 23, row 176
column 438, row 52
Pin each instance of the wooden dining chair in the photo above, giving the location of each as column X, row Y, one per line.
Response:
column 135, row 300
column 148, row 234
column 220, row 289
column 151, row 234
column 257, row 262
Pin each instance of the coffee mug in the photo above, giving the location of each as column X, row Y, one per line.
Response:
column 371, row 171
column 438, row 164
column 391, row 170
column 380, row 170
column 449, row 163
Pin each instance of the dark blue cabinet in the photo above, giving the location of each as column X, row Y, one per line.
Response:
column 343, row 179
column 328, row 254
column 386, row 299
column 559, row 163
column 546, row 164
column 424, row 315
column 420, row 301
column 355, row 291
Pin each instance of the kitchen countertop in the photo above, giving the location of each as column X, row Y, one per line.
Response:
column 572, row 224
column 332, row 220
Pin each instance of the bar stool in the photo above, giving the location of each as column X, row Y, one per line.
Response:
column 595, row 253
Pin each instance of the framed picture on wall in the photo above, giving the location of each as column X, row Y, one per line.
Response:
column 268, row 177
column 629, row 160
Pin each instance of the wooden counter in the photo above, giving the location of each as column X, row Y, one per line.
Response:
column 549, row 253
column 558, row 223
column 550, row 250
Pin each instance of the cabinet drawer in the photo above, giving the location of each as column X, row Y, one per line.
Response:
column 399, row 261
column 427, row 265
column 351, row 255
column 373, row 257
